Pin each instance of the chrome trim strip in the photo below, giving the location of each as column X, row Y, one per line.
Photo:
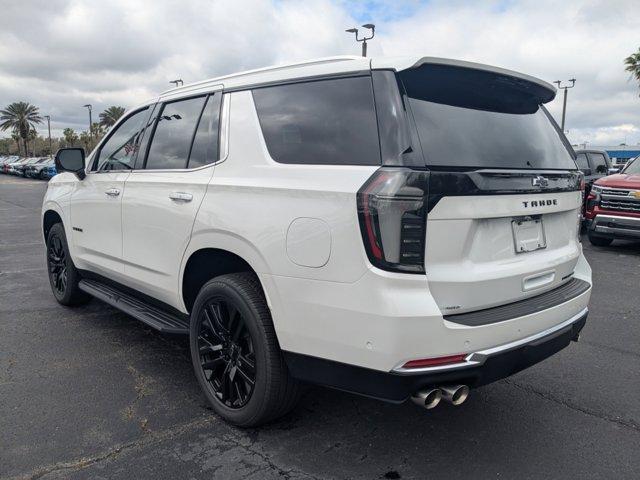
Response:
column 224, row 127
column 478, row 358
column 618, row 218
column 613, row 224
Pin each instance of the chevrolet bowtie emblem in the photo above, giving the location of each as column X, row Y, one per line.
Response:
column 636, row 194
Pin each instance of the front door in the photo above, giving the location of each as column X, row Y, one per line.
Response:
column 163, row 195
column 96, row 203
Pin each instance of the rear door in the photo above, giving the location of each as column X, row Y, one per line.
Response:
column 504, row 196
column 164, row 193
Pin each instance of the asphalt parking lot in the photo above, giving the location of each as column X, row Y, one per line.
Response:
column 92, row 393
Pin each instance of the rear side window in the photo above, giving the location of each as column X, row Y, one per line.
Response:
column 468, row 118
column 599, row 163
column 205, row 143
column 325, row 122
column 173, row 135
column 119, row 151
column 583, row 163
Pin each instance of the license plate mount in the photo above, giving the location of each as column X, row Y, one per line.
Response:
column 528, row 234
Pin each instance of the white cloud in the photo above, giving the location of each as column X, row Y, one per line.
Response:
column 61, row 54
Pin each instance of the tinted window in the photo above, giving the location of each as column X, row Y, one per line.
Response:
column 468, row 118
column 205, row 143
column 119, row 151
column 598, row 162
column 583, row 163
column 174, row 131
column 323, row 122
column 396, row 137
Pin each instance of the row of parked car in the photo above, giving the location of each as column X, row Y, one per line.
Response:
column 33, row 167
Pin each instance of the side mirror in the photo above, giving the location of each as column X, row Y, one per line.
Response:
column 71, row 160
column 587, row 172
column 613, row 170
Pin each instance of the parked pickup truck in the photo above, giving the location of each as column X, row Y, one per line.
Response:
column 613, row 206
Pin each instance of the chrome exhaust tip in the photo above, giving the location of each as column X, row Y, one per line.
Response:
column 428, row 399
column 455, row 394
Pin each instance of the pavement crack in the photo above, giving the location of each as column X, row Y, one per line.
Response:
column 573, row 406
column 282, row 472
column 146, row 440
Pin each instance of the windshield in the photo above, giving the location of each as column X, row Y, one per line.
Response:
column 633, row 167
column 474, row 119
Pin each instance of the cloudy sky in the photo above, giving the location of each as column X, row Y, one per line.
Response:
column 62, row 54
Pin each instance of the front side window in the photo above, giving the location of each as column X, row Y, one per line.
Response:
column 325, row 122
column 583, row 162
column 173, row 134
column 599, row 163
column 119, row 151
column 468, row 118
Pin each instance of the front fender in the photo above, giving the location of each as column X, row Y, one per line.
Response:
column 58, row 199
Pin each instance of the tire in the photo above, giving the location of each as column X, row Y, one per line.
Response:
column 63, row 275
column 43, row 175
column 600, row 241
column 233, row 342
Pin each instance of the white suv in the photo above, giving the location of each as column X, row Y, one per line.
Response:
column 394, row 227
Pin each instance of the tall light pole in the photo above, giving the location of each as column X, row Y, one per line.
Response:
column 88, row 106
column 564, row 104
column 364, row 39
column 176, row 82
column 49, row 128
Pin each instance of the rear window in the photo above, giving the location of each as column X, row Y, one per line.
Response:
column 473, row 119
column 583, row 163
column 324, row 122
column 599, row 162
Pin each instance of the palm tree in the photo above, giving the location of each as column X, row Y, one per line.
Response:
column 111, row 116
column 632, row 63
column 21, row 117
column 70, row 137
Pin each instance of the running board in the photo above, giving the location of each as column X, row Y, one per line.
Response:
column 153, row 316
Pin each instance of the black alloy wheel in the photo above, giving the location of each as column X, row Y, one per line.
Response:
column 235, row 352
column 63, row 275
column 227, row 356
column 57, row 261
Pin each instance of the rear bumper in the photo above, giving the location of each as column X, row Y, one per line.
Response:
column 479, row 368
column 614, row 226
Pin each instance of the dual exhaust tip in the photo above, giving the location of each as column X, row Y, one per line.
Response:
column 431, row 397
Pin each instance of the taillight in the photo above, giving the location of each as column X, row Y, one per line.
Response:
column 392, row 214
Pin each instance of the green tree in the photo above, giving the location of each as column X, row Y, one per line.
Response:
column 85, row 140
column 20, row 117
column 632, row 63
column 97, row 130
column 31, row 138
column 70, row 137
column 111, row 116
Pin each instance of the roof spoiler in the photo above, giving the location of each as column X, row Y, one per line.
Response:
column 543, row 91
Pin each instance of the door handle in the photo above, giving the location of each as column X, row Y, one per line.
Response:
column 181, row 196
column 112, row 192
